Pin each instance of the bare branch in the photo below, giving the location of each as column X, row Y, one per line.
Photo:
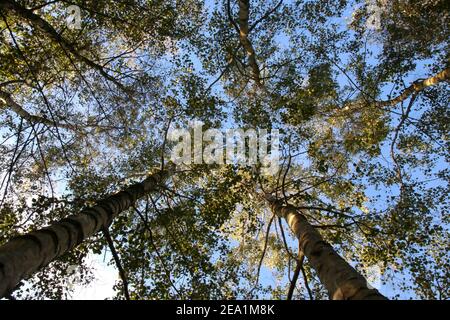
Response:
column 7, row 100
column 265, row 16
column 416, row 87
column 300, row 260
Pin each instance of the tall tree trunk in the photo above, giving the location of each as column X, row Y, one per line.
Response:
column 341, row 280
column 244, row 11
column 25, row 254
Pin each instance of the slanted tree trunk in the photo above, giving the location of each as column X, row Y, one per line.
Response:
column 25, row 254
column 341, row 280
column 416, row 87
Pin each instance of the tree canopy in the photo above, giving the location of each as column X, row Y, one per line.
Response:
column 357, row 89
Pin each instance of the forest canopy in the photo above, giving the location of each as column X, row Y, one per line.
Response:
column 356, row 205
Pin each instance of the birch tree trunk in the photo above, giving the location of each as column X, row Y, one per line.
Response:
column 25, row 254
column 341, row 280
